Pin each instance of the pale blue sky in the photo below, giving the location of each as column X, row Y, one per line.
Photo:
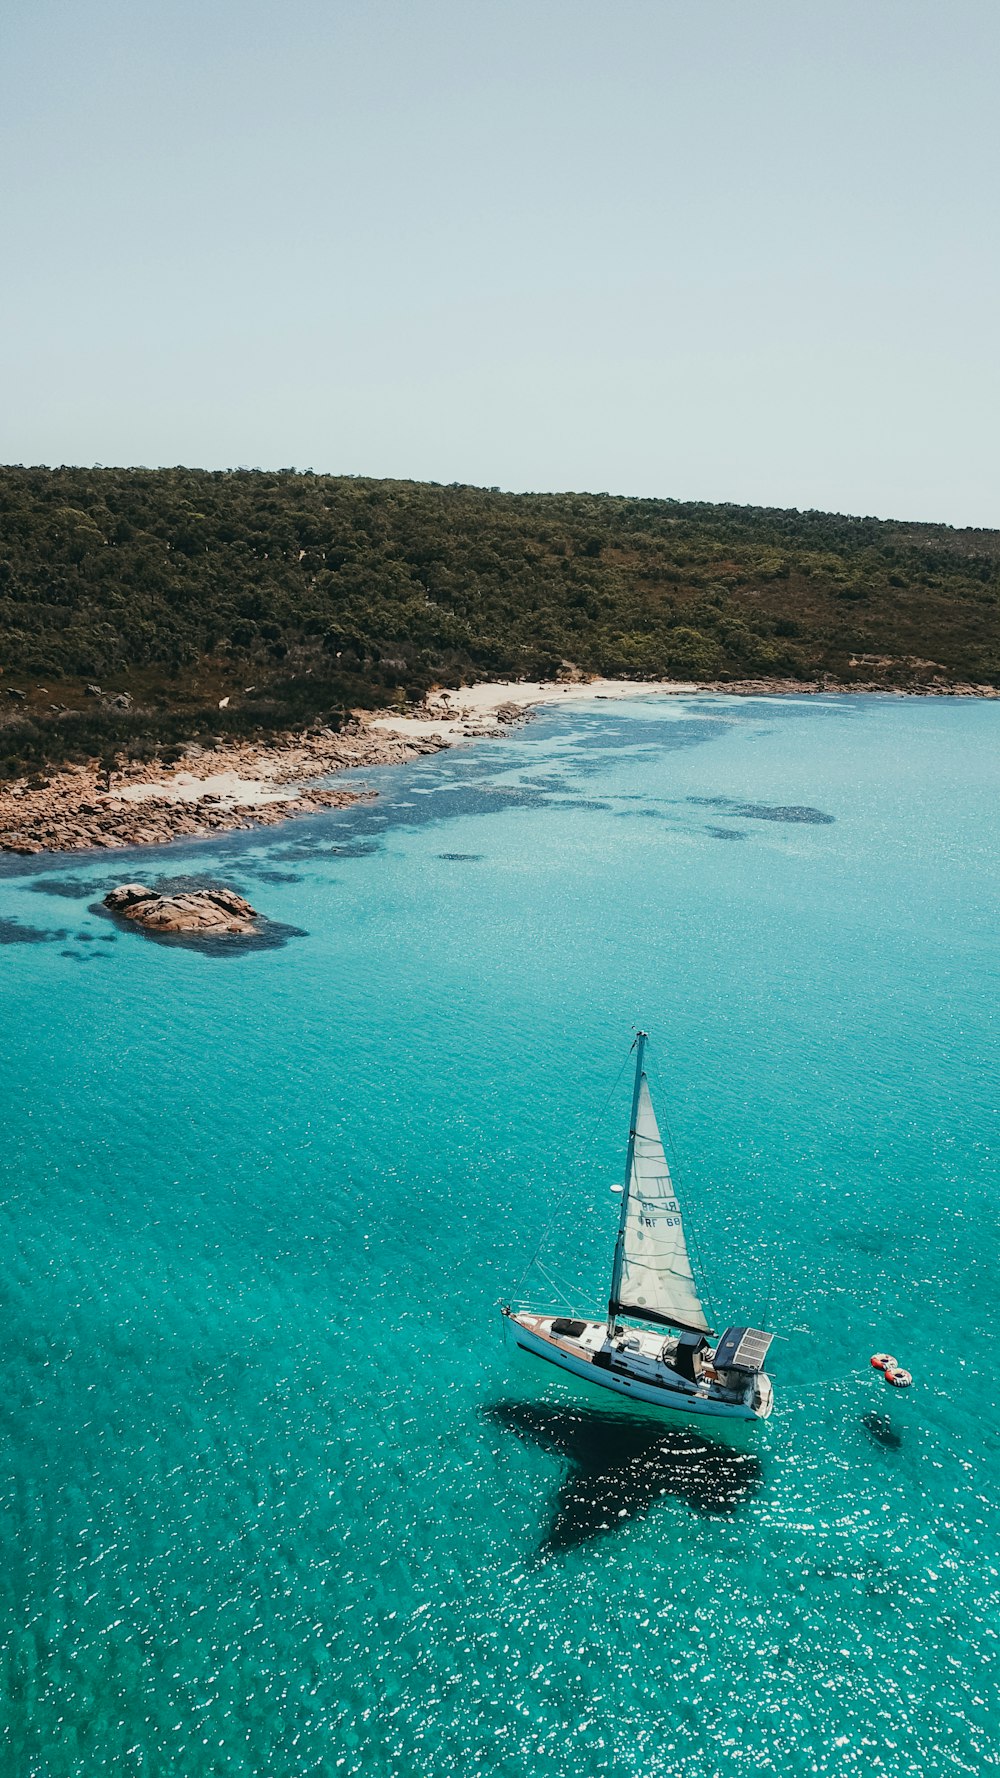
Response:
column 717, row 249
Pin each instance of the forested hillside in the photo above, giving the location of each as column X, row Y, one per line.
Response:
column 296, row 595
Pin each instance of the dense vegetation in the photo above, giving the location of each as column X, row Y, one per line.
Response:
column 179, row 587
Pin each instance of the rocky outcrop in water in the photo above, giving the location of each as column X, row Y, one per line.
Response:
column 208, row 911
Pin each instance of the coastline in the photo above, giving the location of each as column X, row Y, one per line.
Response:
column 246, row 784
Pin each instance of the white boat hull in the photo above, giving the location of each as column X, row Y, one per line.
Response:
column 666, row 1395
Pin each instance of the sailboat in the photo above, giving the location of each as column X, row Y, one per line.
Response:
column 667, row 1364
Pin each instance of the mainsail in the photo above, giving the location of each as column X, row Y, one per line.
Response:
column 652, row 1278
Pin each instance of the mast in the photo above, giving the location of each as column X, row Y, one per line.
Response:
column 616, row 1270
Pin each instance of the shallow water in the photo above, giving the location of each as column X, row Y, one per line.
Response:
column 274, row 1497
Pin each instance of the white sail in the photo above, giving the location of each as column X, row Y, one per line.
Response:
column 656, row 1279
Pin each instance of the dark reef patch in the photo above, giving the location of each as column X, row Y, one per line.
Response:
column 13, row 933
column 793, row 812
column 318, row 846
column 578, row 802
column 68, row 888
column 462, row 857
column 725, row 833
column 272, row 936
column 553, row 785
column 272, row 876
column 761, row 812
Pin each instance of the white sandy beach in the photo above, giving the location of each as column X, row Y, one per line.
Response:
column 183, row 787
column 452, row 716
column 479, row 704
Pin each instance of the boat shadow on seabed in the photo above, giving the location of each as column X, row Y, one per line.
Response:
column 619, row 1468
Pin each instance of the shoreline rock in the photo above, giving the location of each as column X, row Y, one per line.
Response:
column 150, row 804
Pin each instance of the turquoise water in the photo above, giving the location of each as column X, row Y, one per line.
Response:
column 275, row 1498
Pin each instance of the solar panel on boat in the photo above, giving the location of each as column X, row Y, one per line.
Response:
column 742, row 1349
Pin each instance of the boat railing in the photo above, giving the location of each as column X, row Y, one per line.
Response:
column 534, row 1307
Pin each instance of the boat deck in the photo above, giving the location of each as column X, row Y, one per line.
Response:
column 640, row 1355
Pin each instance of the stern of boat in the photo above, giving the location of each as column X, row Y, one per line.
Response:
column 763, row 1399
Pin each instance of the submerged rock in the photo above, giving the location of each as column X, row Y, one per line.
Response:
column 211, row 911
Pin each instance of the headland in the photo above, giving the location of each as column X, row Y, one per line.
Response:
column 246, row 784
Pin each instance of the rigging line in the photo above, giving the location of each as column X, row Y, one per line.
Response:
column 561, row 1200
column 558, row 1283
column 560, row 1293
column 796, row 1390
column 568, row 1288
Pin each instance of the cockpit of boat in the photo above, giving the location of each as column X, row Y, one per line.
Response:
column 641, row 1352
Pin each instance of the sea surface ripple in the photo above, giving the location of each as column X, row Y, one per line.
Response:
column 275, row 1497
